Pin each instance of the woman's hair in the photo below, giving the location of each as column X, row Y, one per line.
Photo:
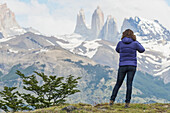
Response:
column 128, row 33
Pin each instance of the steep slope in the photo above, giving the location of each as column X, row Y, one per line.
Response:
column 81, row 27
column 8, row 25
column 148, row 29
column 109, row 31
column 97, row 22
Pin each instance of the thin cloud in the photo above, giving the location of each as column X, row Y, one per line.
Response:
column 62, row 20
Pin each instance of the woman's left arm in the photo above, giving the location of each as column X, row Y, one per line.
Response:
column 118, row 47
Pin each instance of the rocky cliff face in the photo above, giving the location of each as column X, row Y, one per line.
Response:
column 109, row 31
column 81, row 27
column 98, row 30
column 8, row 24
column 97, row 22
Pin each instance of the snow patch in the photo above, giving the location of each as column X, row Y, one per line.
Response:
column 13, row 51
column 5, row 39
column 50, row 42
column 42, row 50
column 146, row 66
column 73, row 40
column 160, row 73
column 113, row 47
column 91, row 48
column 152, row 61
column 148, row 26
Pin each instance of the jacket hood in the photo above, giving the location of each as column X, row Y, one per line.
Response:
column 127, row 40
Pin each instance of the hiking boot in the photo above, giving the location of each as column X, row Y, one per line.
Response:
column 127, row 105
column 111, row 102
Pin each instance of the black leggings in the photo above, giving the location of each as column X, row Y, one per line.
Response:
column 122, row 71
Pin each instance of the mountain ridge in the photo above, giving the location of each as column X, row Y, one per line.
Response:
column 93, row 58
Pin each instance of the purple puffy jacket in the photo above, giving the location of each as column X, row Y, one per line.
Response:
column 127, row 49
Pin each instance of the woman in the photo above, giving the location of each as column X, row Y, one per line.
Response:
column 126, row 48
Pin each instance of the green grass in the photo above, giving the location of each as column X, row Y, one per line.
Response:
column 105, row 108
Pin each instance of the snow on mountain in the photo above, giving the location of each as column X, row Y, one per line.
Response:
column 29, row 41
column 100, row 51
column 47, row 53
column 156, row 40
column 147, row 28
column 156, row 59
column 32, row 30
column 70, row 41
column 151, row 34
column 88, row 48
column 5, row 39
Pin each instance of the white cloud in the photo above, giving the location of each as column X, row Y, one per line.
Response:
column 63, row 19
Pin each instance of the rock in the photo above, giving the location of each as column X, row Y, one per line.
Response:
column 81, row 27
column 129, row 23
column 109, row 31
column 97, row 22
column 69, row 108
column 8, row 24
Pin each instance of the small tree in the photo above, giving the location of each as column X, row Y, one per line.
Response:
column 51, row 92
column 11, row 101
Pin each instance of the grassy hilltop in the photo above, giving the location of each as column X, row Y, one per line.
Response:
column 105, row 108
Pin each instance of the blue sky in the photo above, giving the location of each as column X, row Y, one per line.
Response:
column 168, row 2
column 55, row 17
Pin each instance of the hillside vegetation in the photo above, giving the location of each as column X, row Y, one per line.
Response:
column 105, row 108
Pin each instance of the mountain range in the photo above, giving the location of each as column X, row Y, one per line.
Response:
column 89, row 52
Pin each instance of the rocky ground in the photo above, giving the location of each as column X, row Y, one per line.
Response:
column 105, row 108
